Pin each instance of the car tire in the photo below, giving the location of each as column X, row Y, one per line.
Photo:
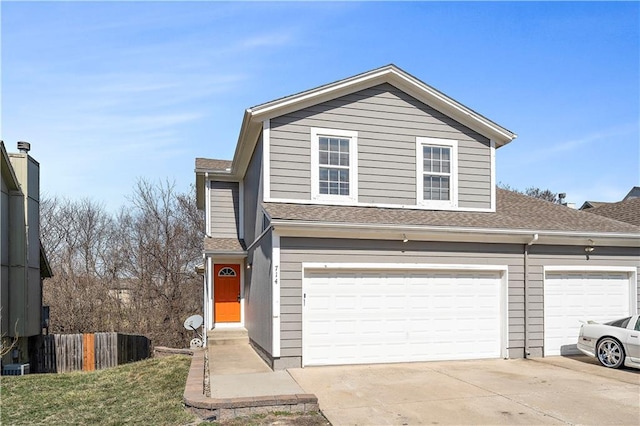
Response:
column 610, row 352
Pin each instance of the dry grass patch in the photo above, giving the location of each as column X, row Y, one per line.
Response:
column 145, row 392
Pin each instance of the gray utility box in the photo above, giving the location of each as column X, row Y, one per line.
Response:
column 15, row 369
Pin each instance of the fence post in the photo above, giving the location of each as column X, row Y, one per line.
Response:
column 88, row 352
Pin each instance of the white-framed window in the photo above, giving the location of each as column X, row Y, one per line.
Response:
column 334, row 165
column 436, row 172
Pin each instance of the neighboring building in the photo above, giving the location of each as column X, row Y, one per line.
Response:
column 627, row 210
column 633, row 193
column 359, row 222
column 24, row 263
column 591, row 204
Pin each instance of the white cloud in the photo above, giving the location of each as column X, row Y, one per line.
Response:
column 574, row 144
column 266, row 40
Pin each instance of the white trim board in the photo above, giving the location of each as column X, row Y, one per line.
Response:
column 381, row 205
column 229, row 325
column 492, row 155
column 266, row 159
column 590, row 268
column 406, row 266
column 275, row 293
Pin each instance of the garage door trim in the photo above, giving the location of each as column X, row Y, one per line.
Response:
column 394, row 267
column 631, row 280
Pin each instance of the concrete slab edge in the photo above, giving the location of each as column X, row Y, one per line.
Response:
column 207, row 408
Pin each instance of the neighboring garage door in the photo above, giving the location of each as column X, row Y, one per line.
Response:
column 571, row 297
column 360, row 317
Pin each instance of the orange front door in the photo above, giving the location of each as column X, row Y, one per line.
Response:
column 226, row 293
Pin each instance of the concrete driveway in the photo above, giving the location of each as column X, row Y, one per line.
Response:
column 555, row 390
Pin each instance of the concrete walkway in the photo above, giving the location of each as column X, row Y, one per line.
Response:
column 239, row 383
column 237, row 371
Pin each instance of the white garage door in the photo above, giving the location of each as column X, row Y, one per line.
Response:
column 571, row 297
column 356, row 317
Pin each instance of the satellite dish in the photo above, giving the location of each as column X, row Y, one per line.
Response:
column 193, row 322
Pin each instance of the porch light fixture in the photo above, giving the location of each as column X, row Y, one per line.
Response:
column 248, row 265
column 404, row 238
column 589, row 248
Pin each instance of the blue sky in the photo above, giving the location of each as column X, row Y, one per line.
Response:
column 107, row 92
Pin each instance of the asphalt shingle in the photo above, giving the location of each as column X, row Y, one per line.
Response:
column 231, row 245
column 513, row 211
column 625, row 211
column 212, row 164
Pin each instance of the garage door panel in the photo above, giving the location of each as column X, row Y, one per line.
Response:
column 571, row 297
column 401, row 316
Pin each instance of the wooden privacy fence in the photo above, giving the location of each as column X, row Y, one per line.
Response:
column 62, row 353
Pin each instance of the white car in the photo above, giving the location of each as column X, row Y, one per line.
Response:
column 614, row 344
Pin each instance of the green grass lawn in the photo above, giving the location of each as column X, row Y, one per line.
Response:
column 147, row 392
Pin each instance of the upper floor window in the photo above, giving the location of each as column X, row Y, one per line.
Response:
column 334, row 165
column 436, row 172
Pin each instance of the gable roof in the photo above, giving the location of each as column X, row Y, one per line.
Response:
column 634, row 193
column 515, row 213
column 391, row 74
column 627, row 211
column 591, row 204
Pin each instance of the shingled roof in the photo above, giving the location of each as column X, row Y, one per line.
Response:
column 513, row 211
column 223, row 245
column 209, row 164
column 625, row 211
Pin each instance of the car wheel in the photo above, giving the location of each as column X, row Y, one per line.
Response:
column 610, row 353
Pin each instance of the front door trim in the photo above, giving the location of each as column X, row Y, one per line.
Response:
column 221, row 270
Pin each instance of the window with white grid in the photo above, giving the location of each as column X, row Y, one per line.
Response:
column 436, row 168
column 334, row 164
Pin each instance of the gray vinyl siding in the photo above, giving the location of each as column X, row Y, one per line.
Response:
column 258, row 295
column 224, row 209
column 295, row 251
column 4, row 257
column 257, row 287
column 388, row 121
column 252, row 195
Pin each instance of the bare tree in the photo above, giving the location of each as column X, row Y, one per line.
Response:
column 162, row 247
column 78, row 238
column 131, row 272
column 543, row 194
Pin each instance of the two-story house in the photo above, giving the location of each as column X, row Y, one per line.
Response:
column 359, row 222
column 24, row 263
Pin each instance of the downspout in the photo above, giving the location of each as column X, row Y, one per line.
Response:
column 526, row 290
